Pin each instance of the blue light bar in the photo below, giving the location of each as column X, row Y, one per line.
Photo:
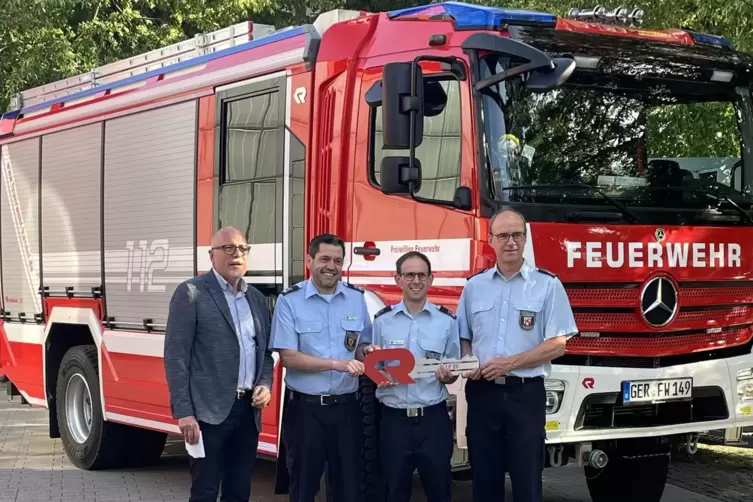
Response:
column 715, row 40
column 477, row 17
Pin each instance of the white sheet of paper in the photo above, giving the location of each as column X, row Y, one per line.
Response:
column 428, row 367
column 196, row 450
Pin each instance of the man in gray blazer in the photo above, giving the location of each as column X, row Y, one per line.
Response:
column 219, row 369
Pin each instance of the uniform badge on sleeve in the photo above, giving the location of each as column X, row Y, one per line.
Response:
column 350, row 340
column 527, row 320
column 433, row 355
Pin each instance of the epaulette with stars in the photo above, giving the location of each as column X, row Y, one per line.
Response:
column 545, row 271
column 383, row 311
column 353, row 287
column 447, row 311
column 294, row 287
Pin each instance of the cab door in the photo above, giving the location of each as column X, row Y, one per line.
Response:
column 384, row 227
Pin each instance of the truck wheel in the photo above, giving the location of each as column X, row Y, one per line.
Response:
column 88, row 441
column 371, row 472
column 629, row 479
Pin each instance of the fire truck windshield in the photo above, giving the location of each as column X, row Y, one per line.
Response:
column 647, row 144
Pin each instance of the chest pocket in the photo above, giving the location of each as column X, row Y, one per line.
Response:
column 311, row 339
column 432, row 344
column 529, row 314
column 483, row 319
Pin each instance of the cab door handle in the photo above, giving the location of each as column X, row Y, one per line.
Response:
column 368, row 249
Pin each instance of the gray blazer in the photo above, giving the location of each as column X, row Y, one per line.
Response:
column 202, row 353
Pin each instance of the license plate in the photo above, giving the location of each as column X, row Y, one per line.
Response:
column 647, row 391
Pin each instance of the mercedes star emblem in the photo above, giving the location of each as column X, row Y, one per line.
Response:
column 659, row 234
column 659, row 301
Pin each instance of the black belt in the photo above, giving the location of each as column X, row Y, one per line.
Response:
column 413, row 412
column 508, row 380
column 244, row 394
column 325, row 399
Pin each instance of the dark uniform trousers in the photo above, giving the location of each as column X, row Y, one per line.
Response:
column 505, row 432
column 318, row 429
column 229, row 456
column 423, row 442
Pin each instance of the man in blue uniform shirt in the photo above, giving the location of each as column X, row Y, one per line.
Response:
column 416, row 430
column 516, row 319
column 316, row 328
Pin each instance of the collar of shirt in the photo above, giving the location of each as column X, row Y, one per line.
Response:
column 311, row 289
column 226, row 285
column 400, row 307
column 524, row 272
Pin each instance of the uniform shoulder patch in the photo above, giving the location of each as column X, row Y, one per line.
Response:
column 383, row 311
column 545, row 271
column 447, row 311
column 353, row 287
column 294, row 287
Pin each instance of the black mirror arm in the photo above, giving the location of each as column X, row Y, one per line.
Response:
column 512, row 72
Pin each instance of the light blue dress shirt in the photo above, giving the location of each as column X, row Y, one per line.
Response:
column 240, row 310
column 326, row 326
column 504, row 317
column 428, row 334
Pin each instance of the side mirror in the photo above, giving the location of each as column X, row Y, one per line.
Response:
column 400, row 100
column 546, row 79
column 396, row 176
column 462, row 198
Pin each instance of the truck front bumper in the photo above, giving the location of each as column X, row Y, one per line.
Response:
column 586, row 402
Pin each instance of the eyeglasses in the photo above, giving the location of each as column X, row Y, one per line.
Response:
column 516, row 236
column 410, row 276
column 229, row 249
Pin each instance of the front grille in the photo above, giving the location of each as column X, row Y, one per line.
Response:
column 602, row 411
column 688, row 317
column 657, row 346
column 628, row 294
column 710, row 316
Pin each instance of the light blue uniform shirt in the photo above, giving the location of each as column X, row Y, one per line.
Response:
column 240, row 310
column 504, row 317
column 326, row 326
column 428, row 334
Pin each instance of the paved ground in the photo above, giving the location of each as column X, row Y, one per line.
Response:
column 33, row 467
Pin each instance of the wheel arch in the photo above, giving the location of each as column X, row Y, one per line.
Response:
column 66, row 328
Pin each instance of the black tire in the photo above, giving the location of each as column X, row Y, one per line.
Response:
column 371, row 478
column 630, row 479
column 107, row 445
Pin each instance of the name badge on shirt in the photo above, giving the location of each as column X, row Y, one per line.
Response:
column 527, row 320
column 350, row 340
column 433, row 355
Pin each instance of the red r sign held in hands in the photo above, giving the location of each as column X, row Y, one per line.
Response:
column 400, row 372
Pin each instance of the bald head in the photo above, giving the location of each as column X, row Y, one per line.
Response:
column 229, row 254
column 224, row 234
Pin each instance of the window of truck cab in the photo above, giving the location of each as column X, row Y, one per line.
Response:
column 440, row 151
column 655, row 146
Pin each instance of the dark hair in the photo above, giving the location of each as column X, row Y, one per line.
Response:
column 320, row 239
column 409, row 255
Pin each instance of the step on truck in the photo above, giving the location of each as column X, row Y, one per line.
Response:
column 398, row 131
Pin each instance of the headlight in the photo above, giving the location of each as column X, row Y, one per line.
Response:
column 555, row 391
column 745, row 385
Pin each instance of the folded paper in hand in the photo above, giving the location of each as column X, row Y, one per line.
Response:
column 428, row 367
column 196, row 450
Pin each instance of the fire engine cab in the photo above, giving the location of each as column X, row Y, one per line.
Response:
column 397, row 131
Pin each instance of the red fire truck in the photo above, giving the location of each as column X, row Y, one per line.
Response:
column 397, row 131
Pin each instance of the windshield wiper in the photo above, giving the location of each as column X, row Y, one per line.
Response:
column 627, row 213
column 711, row 195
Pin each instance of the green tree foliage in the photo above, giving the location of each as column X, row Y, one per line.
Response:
column 45, row 40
